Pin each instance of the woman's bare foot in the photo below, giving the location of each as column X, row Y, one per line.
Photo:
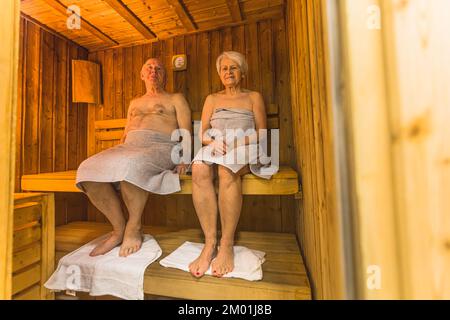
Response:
column 132, row 240
column 199, row 266
column 114, row 239
column 224, row 262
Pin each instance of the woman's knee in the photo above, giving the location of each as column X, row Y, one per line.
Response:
column 227, row 177
column 202, row 173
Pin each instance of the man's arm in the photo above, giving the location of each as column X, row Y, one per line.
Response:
column 183, row 113
column 184, row 120
column 125, row 131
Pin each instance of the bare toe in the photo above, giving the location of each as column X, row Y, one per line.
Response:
column 114, row 239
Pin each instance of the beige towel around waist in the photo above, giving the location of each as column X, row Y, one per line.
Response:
column 143, row 160
column 224, row 119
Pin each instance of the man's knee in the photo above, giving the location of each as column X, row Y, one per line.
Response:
column 202, row 173
column 92, row 187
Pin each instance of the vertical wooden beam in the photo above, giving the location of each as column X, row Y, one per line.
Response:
column 182, row 14
column 9, row 59
column 132, row 19
column 235, row 10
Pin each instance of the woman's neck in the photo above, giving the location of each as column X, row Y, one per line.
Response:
column 233, row 90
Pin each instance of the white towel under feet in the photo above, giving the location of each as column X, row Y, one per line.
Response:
column 107, row 274
column 247, row 262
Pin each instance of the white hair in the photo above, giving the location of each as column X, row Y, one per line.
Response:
column 236, row 57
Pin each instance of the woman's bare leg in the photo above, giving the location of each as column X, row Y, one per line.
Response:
column 135, row 199
column 104, row 198
column 205, row 203
column 230, row 205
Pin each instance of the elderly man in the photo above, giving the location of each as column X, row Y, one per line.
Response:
column 142, row 163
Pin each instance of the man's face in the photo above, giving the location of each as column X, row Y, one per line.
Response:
column 154, row 72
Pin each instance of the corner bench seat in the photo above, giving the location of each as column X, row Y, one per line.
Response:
column 284, row 272
column 284, row 182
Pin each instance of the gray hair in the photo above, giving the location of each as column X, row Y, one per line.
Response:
column 236, row 57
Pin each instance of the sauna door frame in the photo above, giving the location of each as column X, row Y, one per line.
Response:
column 9, row 61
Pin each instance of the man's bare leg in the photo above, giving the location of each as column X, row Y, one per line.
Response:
column 104, row 198
column 230, row 205
column 205, row 203
column 135, row 199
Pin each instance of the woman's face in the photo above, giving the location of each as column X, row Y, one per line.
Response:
column 230, row 73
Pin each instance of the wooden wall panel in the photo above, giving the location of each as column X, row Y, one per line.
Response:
column 265, row 46
column 318, row 227
column 51, row 131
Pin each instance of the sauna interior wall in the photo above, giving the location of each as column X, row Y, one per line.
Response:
column 54, row 130
column 51, row 130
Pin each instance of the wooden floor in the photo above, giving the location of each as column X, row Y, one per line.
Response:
column 284, row 272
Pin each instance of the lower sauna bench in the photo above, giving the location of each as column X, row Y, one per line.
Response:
column 285, row 276
column 33, row 245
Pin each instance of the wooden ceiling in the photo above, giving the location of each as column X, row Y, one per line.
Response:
column 112, row 23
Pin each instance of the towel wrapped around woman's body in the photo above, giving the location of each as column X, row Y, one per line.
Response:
column 229, row 121
column 144, row 160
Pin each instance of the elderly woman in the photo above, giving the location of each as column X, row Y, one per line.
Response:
column 232, row 108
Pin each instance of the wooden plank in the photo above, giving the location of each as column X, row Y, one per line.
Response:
column 215, row 47
column 417, row 107
column 182, row 14
column 30, row 152
column 46, row 110
column 9, row 59
column 72, row 121
column 48, row 243
column 58, row 6
column 61, row 106
column 26, row 213
column 26, row 278
column 33, row 293
column 235, row 10
column 108, row 85
column 132, row 19
column 26, row 257
column 282, row 183
column 26, row 237
column 118, row 59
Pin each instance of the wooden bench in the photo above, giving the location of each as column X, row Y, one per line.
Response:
column 284, row 274
column 107, row 133
column 285, row 182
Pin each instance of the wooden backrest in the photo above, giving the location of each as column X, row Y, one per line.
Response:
column 109, row 132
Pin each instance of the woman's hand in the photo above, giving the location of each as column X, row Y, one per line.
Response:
column 219, row 147
column 181, row 168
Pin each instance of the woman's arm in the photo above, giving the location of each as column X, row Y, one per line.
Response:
column 259, row 112
column 205, row 125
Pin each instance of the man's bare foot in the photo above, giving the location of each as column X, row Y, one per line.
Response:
column 132, row 240
column 199, row 266
column 224, row 262
column 114, row 239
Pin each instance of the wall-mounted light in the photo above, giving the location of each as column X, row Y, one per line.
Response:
column 179, row 62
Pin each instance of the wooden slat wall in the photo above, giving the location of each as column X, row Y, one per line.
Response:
column 51, row 130
column 318, row 226
column 265, row 45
